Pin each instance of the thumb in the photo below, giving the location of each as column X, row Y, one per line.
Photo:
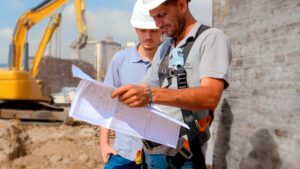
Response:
column 114, row 152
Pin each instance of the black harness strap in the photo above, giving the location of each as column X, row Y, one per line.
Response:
column 164, row 71
column 196, row 153
column 191, row 40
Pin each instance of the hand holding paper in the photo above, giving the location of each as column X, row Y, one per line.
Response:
column 132, row 95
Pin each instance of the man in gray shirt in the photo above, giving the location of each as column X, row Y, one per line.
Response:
column 206, row 67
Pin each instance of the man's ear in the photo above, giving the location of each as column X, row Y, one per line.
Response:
column 182, row 5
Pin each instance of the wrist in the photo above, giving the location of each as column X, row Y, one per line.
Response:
column 104, row 142
column 150, row 95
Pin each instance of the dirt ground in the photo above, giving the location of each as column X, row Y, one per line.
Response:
column 51, row 147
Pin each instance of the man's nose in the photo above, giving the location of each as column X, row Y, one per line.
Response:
column 148, row 35
column 158, row 22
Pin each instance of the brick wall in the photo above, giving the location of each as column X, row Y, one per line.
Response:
column 257, row 123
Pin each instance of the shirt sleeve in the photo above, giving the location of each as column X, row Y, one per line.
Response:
column 216, row 56
column 112, row 77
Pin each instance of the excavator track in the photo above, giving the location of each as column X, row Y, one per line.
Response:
column 33, row 111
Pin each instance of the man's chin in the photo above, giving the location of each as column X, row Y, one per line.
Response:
column 148, row 47
column 170, row 34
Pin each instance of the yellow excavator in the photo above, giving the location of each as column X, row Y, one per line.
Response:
column 18, row 87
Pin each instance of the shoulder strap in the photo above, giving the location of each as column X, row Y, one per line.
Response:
column 164, row 64
column 195, row 146
column 191, row 40
column 163, row 71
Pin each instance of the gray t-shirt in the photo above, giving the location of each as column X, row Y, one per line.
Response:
column 126, row 67
column 210, row 56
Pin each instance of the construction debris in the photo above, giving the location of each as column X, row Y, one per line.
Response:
column 51, row 147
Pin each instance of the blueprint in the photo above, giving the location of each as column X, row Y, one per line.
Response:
column 93, row 104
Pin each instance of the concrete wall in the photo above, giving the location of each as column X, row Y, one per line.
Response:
column 257, row 123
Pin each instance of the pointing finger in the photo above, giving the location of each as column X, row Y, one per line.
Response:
column 119, row 91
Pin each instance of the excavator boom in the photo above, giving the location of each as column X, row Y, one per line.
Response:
column 35, row 15
column 52, row 25
column 16, row 84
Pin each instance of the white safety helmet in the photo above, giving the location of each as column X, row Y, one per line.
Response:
column 141, row 18
column 151, row 4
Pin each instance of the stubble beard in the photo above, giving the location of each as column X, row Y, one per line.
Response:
column 148, row 48
column 178, row 27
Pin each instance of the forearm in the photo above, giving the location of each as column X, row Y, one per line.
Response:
column 106, row 149
column 104, row 136
column 206, row 96
column 190, row 98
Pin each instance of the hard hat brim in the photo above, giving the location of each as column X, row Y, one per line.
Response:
column 143, row 25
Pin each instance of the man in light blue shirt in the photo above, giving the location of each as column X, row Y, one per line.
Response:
column 129, row 67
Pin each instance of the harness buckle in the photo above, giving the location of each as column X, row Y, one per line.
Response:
column 181, row 77
column 172, row 72
column 187, row 154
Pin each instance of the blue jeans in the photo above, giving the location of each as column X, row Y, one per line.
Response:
column 118, row 162
column 159, row 161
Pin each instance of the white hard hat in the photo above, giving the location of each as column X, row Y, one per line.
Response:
column 151, row 4
column 141, row 18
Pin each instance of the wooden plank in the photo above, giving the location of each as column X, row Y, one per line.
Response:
column 32, row 115
column 48, row 124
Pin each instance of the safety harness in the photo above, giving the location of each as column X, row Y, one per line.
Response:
column 191, row 150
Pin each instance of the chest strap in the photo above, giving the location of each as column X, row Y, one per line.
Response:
column 164, row 72
column 194, row 153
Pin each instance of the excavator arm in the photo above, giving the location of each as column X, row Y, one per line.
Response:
column 52, row 25
column 17, row 84
column 35, row 15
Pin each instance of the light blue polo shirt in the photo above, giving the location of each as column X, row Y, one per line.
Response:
column 126, row 67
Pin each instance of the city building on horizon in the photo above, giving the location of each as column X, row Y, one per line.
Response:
column 96, row 52
column 130, row 44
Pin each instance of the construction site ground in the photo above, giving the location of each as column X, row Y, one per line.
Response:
column 39, row 146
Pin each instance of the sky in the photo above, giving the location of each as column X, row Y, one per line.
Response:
column 104, row 18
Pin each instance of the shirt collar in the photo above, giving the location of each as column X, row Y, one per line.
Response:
column 191, row 34
column 137, row 57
